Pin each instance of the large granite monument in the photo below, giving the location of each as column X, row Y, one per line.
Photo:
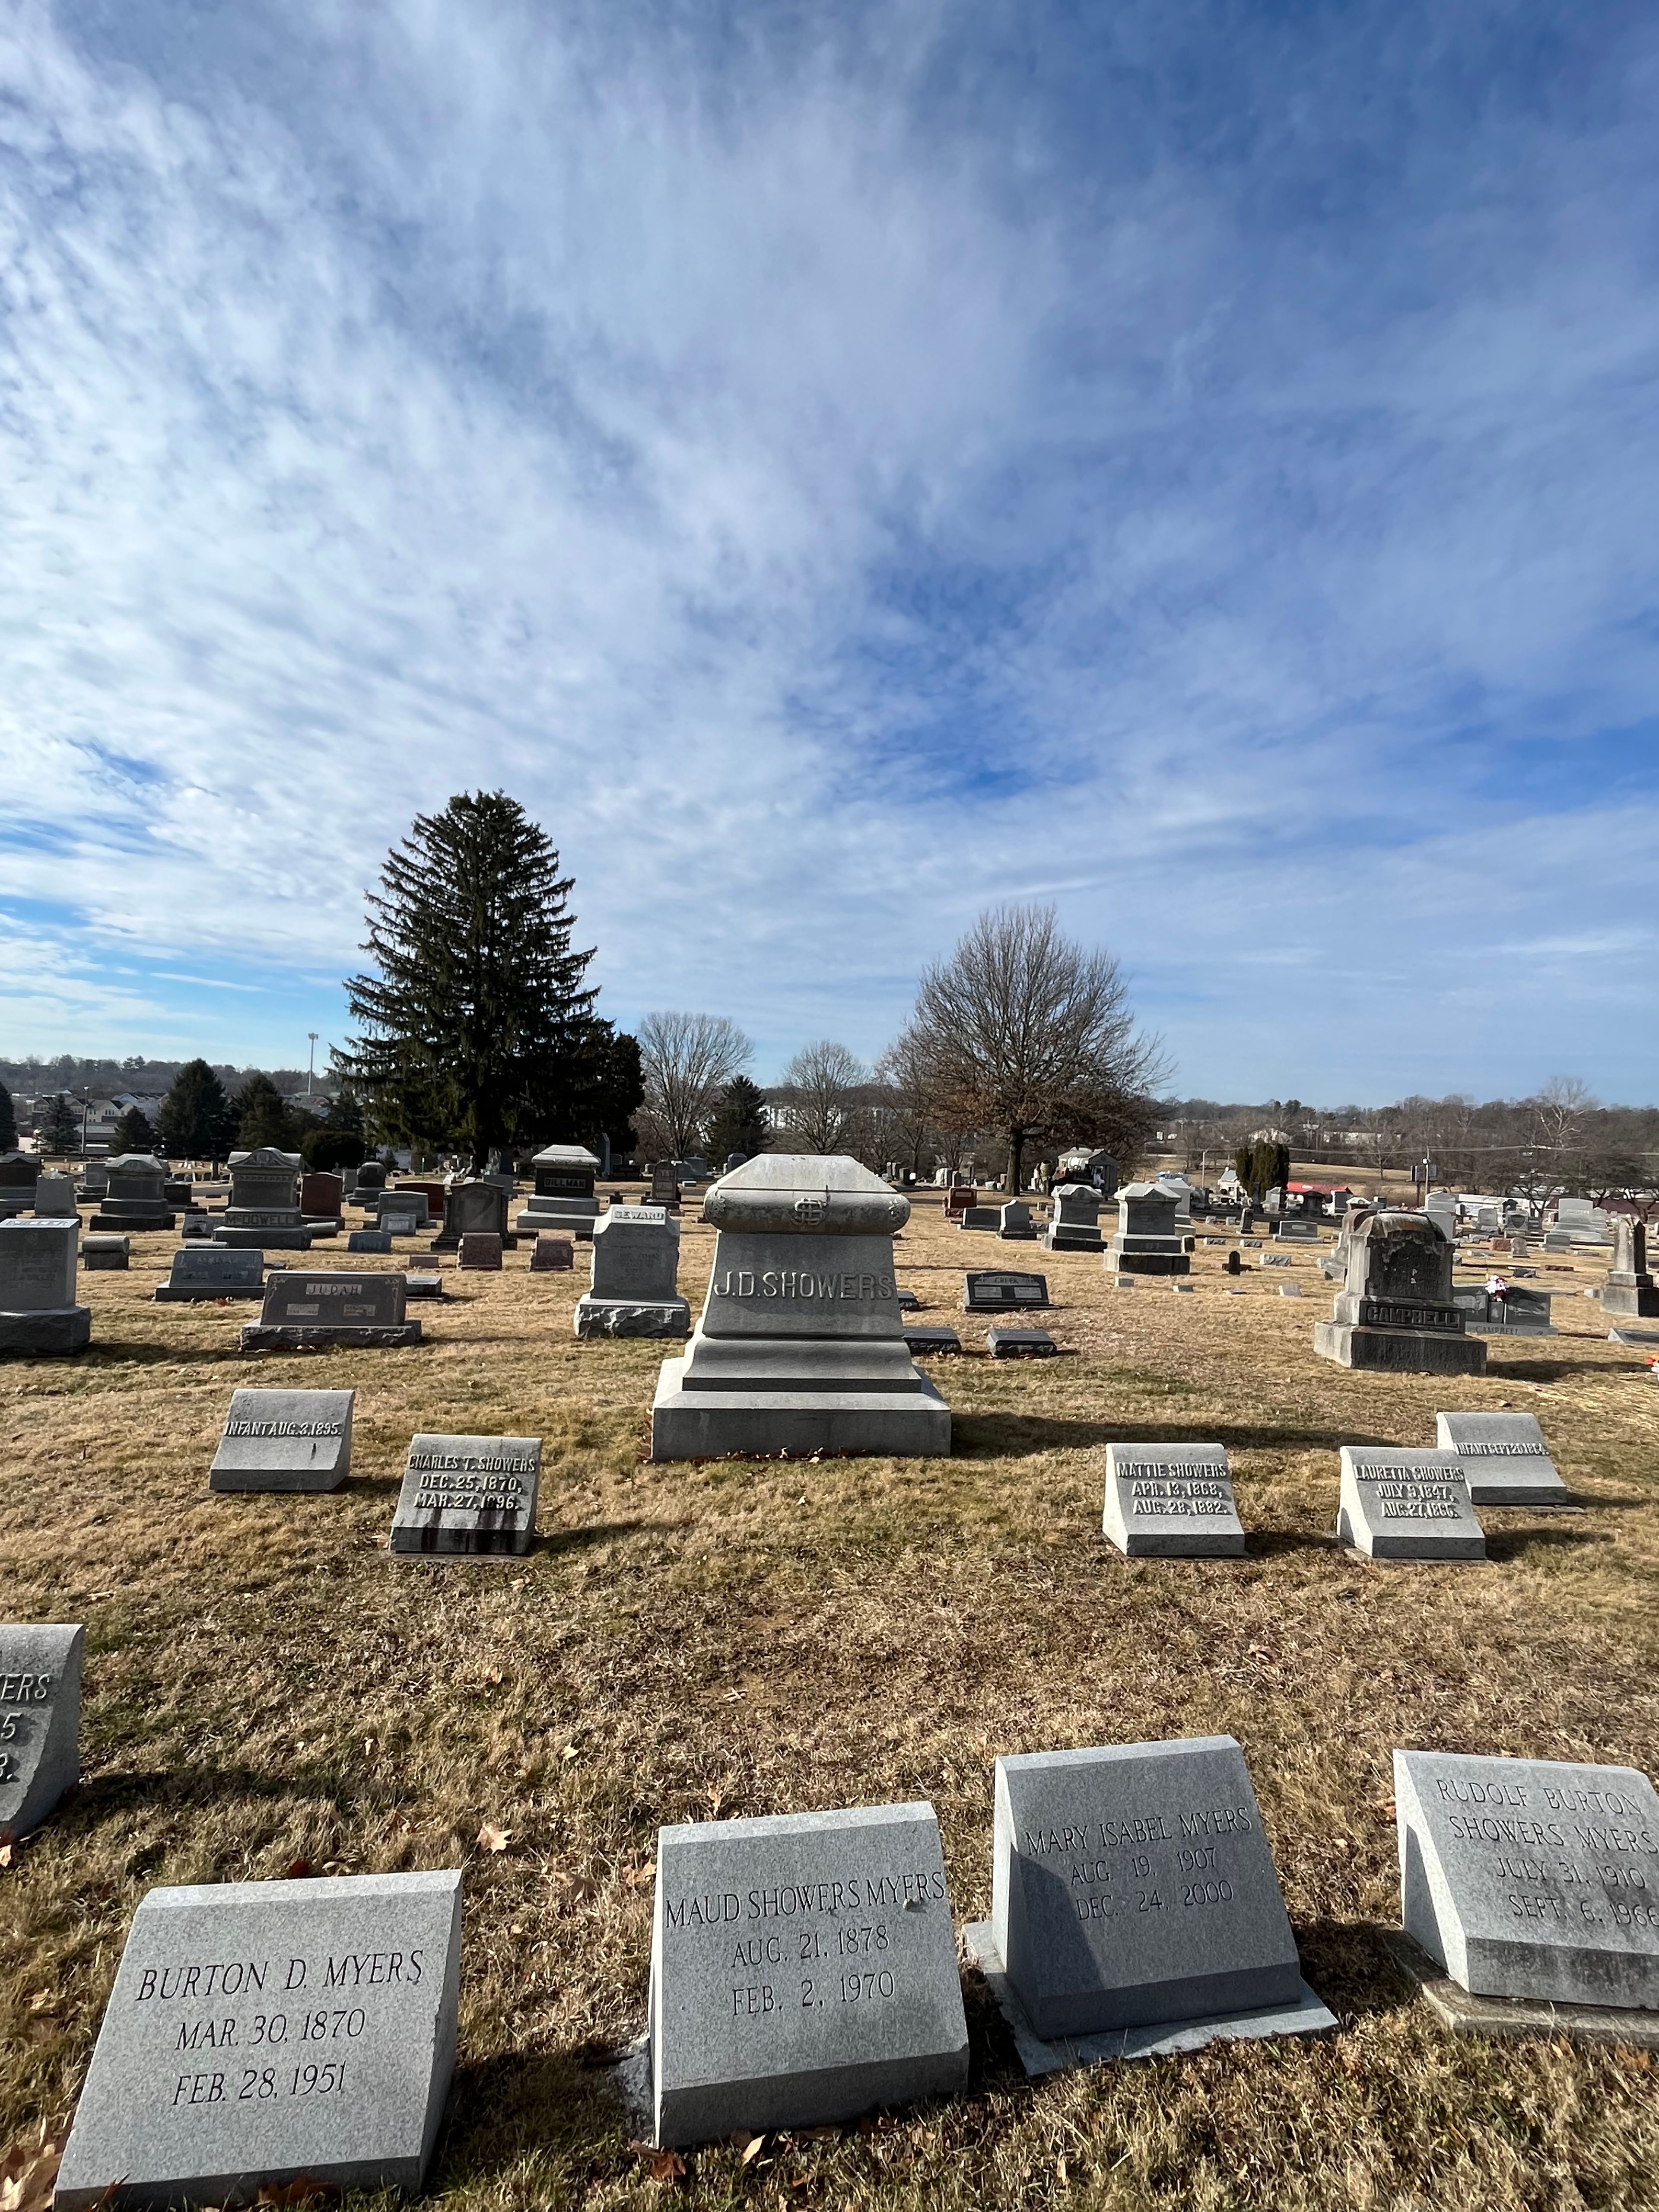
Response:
column 37, row 1311
column 1395, row 1309
column 135, row 1197
column 1074, row 1224
column 265, row 1203
column 635, row 1291
column 563, row 1198
column 1148, row 1241
column 800, row 1346
column 1629, row 1289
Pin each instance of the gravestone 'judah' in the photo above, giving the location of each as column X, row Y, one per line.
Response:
column 201, row 1273
column 1148, row 1241
column 39, row 1722
column 635, row 1292
column 468, row 1496
column 1629, row 1289
column 799, row 1347
column 260, row 2031
column 1133, row 1890
column 37, row 1311
column 987, row 1289
column 803, row 1969
column 563, row 1197
column 1171, row 1501
column 1504, row 1458
column 1532, row 1878
column 301, row 1309
column 284, row 1440
column 1402, row 1504
column 1395, row 1310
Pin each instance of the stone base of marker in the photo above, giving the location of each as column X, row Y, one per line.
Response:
column 423, row 1287
column 468, row 1497
column 366, row 2119
column 1399, row 1350
column 794, row 1423
column 289, row 1239
column 669, row 1317
column 131, row 1216
column 40, row 1721
column 1061, row 1237
column 1123, row 1258
column 100, row 1254
column 1020, row 1344
column 48, row 1333
column 323, row 1337
column 284, row 1440
column 1514, row 2018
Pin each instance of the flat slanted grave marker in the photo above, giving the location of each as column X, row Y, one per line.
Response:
column 1134, row 1907
column 284, row 1440
column 998, row 1290
column 201, row 1273
column 1171, row 1501
column 921, row 1341
column 469, row 1496
column 302, row 1309
column 480, row 1249
column 39, row 1722
column 1020, row 1344
column 803, row 1969
column 258, row 2031
column 1505, row 1459
column 1532, row 1879
column 1400, row 1504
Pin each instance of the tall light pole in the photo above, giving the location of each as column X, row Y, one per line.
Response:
column 311, row 1072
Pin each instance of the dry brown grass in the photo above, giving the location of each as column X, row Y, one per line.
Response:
column 264, row 1683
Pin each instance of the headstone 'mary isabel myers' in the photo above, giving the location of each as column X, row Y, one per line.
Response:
column 260, row 2031
column 635, row 1291
column 38, row 1312
column 39, row 1722
column 1171, row 1501
column 803, row 1969
column 1395, row 1308
column 800, row 1345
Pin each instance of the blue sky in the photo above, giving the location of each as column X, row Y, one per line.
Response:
column 1197, row 463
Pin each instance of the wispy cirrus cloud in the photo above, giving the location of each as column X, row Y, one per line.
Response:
column 838, row 473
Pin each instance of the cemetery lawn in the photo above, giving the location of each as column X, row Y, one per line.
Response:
column 269, row 1691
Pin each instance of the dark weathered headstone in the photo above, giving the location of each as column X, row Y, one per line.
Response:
column 1132, row 1888
column 552, row 1255
column 803, row 1969
column 1020, row 1344
column 1014, row 1222
column 39, row 1722
column 635, row 1291
column 135, row 1195
column 1504, row 1458
column 321, row 1199
column 37, row 1311
column 980, row 1218
column 1171, row 1501
column 1395, row 1310
column 472, row 1497
column 922, row 1341
column 371, row 1182
column 304, row 1308
column 259, row 2032
column 997, row 1291
column 478, row 1208
column 1532, row 1878
column 1148, row 1240
column 959, row 1197
column 19, row 1173
column 665, row 1186
column 100, row 1254
column 370, row 1240
column 264, row 1211
column 1402, row 1504
column 422, row 1286
column 479, row 1254
column 284, row 1440
column 55, row 1199
column 1074, row 1224
column 201, row 1273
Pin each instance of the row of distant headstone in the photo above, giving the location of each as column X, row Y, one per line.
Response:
column 804, row 1966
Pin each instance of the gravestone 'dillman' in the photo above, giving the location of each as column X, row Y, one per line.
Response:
column 261, row 2031
column 563, row 1198
column 37, row 1311
column 354, row 1310
column 1530, row 1878
column 1397, row 1503
column 800, row 1346
column 201, row 1273
column 39, row 1722
column 468, row 1497
column 1134, row 1907
column 998, row 1290
column 803, row 1969
column 1395, row 1309
column 1504, row 1458
column 635, row 1291
column 284, row 1440
column 1171, row 1501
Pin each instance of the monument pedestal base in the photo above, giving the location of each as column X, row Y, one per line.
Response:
column 632, row 1317
column 1072, row 1240
column 56, row 1329
column 131, row 1217
column 1120, row 1262
column 263, row 1240
column 1402, row 1351
column 780, row 1423
column 260, row 1336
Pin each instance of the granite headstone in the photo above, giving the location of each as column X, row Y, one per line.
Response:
column 1504, row 1458
column 1397, row 1503
column 1171, row 1501
column 39, row 1722
column 472, row 1496
column 284, row 1440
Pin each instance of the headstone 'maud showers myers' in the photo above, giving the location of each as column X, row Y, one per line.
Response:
column 39, row 1722
column 803, row 1969
column 261, row 2031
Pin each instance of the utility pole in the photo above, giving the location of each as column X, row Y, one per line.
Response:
column 311, row 1072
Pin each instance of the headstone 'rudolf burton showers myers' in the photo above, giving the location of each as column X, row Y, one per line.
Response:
column 1532, row 1879
column 1148, row 1241
column 472, row 1496
column 264, row 1202
column 563, row 1197
column 635, row 1291
column 37, row 1311
column 39, row 1722
column 1400, row 1504
column 803, row 1969
column 800, row 1346
column 284, row 1440
column 261, row 2031
column 1504, row 1459
column 353, row 1310
column 134, row 1198
column 1171, row 1501
column 1395, row 1309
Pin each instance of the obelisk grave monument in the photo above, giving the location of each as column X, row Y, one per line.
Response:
column 799, row 1347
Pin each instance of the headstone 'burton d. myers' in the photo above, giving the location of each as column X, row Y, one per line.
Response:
column 472, row 1497
column 264, row 1202
column 1402, row 1504
column 38, row 1312
column 803, row 1969
column 1504, row 1458
column 260, row 2031
column 634, row 1289
column 1532, row 1878
column 39, row 1722
column 354, row 1310
column 285, row 1440
column 1171, row 1501
column 800, row 1347
column 1132, row 1888
column 1148, row 1240
column 563, row 1197
column 201, row 1273
column 1395, row 1308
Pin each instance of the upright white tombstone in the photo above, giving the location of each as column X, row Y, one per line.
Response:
column 37, row 1311
column 1504, row 1459
column 1171, row 1501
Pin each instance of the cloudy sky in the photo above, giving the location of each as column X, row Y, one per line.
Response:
column 1197, row 463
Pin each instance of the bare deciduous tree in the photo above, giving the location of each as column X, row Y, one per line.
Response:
column 687, row 1060
column 1024, row 1032
column 817, row 1102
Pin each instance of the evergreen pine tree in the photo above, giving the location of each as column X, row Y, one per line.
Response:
column 261, row 1116
column 740, row 1122
column 196, row 1122
column 132, row 1134
column 474, row 1032
column 59, row 1129
column 7, row 1121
